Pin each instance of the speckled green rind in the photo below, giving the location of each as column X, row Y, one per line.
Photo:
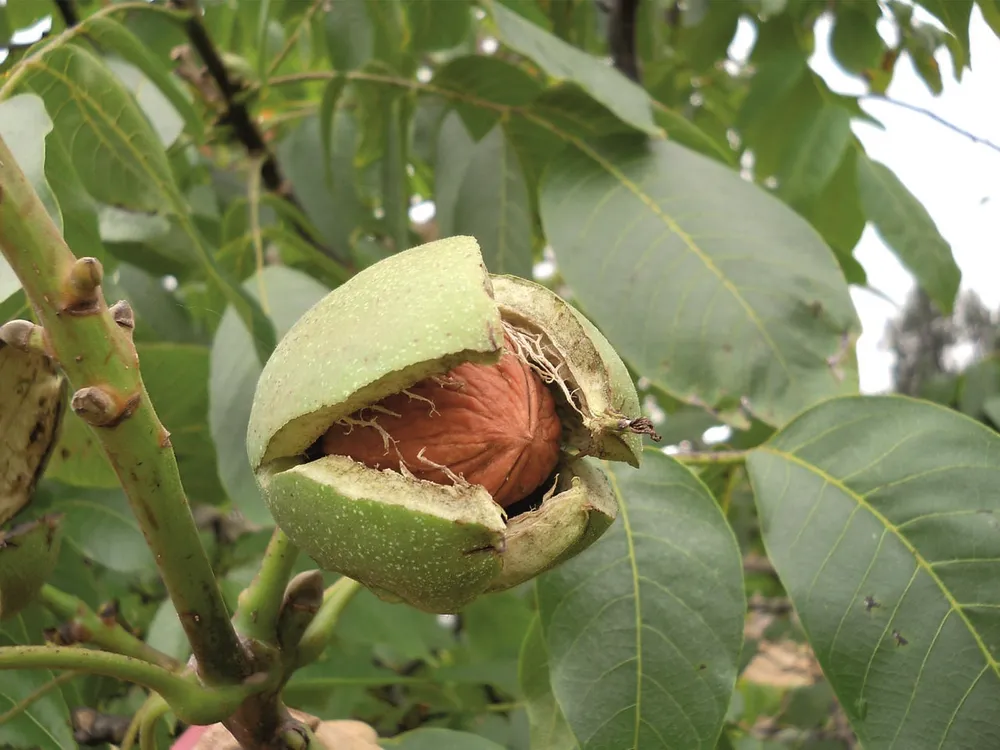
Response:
column 564, row 526
column 602, row 379
column 417, row 313
column 28, row 555
column 436, row 547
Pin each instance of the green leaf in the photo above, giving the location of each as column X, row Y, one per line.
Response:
column 112, row 36
column 401, row 633
column 395, row 181
column 350, row 36
column 813, row 152
column 991, row 14
column 78, row 458
column 159, row 313
column 99, row 524
column 327, row 110
column 549, row 728
column 120, row 160
column 439, row 739
column 955, row 15
column 905, row 226
column 980, row 382
column 480, row 190
column 836, row 214
column 475, row 80
column 166, row 633
column 45, row 724
column 117, row 155
column 334, row 210
column 681, row 130
column 644, row 630
column 233, row 373
column 79, row 212
column 176, row 376
column 24, row 125
column 854, row 40
column 437, row 26
column 679, row 262
column 162, row 115
column 892, row 499
column 703, row 38
column 562, row 61
column 991, row 408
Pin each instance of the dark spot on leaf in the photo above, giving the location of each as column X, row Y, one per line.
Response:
column 64, row 453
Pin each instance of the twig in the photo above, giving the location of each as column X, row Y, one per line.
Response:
column 236, row 114
column 257, row 615
column 937, row 118
column 93, row 346
column 67, row 10
column 191, row 702
column 110, row 636
column 294, row 36
column 621, row 37
column 35, row 695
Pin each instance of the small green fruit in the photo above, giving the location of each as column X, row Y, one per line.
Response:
column 406, row 323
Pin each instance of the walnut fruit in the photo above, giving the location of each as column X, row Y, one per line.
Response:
column 491, row 425
column 428, row 428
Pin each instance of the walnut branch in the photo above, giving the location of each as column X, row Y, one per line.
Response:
column 237, row 116
column 621, row 37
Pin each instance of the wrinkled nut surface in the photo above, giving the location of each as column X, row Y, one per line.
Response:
column 423, row 428
column 491, row 425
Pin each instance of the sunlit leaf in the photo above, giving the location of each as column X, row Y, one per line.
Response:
column 881, row 517
column 644, row 629
column 712, row 289
column 908, row 229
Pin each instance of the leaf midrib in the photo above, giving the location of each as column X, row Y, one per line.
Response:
column 922, row 562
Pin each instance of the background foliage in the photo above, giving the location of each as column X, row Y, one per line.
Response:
column 702, row 212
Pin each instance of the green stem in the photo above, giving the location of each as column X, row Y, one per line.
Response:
column 109, row 636
column 318, row 633
column 191, row 702
column 257, row 615
column 99, row 360
column 711, row 458
column 152, row 711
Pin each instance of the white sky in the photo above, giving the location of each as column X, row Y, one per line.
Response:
column 956, row 179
